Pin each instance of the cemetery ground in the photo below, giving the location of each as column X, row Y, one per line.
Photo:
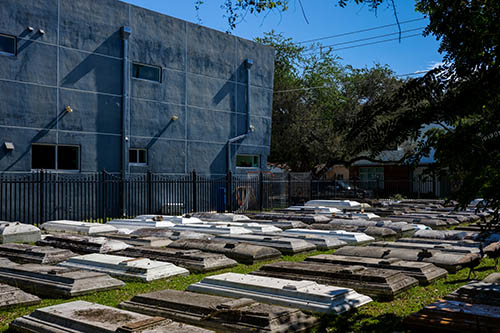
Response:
column 376, row 316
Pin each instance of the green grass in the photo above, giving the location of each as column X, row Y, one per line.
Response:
column 373, row 317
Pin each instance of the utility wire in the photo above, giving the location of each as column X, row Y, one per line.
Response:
column 360, row 31
column 377, row 42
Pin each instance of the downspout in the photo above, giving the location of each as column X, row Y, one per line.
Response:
column 249, row 128
column 125, row 34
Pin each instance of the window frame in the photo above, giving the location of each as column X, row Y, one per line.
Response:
column 56, row 161
column 248, row 167
column 160, row 68
column 137, row 151
column 15, row 45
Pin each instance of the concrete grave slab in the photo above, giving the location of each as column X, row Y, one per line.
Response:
column 82, row 316
column 83, row 244
column 166, row 233
column 306, row 218
column 76, row 227
column 288, row 246
column 125, row 267
column 424, row 272
column 54, row 281
column 401, row 227
column 134, row 224
column 322, row 243
column 426, row 246
column 486, row 291
column 304, row 295
column 132, row 239
column 311, row 209
column 433, row 223
column 188, row 219
column 282, row 224
column 195, row 261
column 346, row 236
column 211, row 229
column 447, row 260
column 12, row 296
column 374, row 282
column 241, row 252
column 454, row 316
column 339, row 204
column 227, row 217
column 16, row 232
column 376, row 232
column 252, row 226
column 222, row 314
column 461, row 243
column 25, row 253
column 441, row 234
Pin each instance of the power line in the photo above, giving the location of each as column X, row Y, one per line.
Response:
column 359, row 31
column 377, row 42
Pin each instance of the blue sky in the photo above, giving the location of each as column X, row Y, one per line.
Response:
column 325, row 19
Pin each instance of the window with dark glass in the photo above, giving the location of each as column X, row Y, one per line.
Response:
column 68, row 157
column 146, row 72
column 247, row 161
column 8, row 45
column 137, row 156
column 55, row 157
column 43, row 157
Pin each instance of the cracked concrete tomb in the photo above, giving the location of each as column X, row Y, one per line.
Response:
column 12, row 296
column 455, row 316
column 424, row 272
column 346, row 236
column 447, row 260
column 195, row 261
column 134, row 224
column 132, row 239
column 172, row 235
column 339, row 204
column 322, row 243
column 226, row 217
column 211, row 229
column 25, row 253
column 76, row 227
column 425, row 246
column 374, row 282
column 376, row 232
column 304, row 295
column 282, row 224
column 55, row 281
column 287, row 246
column 441, row 234
column 306, row 218
column 252, row 226
column 485, row 292
column 460, row 243
column 125, row 267
column 399, row 227
column 188, row 219
column 329, row 211
column 83, row 244
column 82, row 316
column 433, row 223
column 222, row 314
column 16, row 232
column 241, row 252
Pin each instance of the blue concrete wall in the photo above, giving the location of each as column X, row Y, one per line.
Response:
column 78, row 62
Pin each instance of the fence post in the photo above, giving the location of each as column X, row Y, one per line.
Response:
column 150, row 190
column 261, row 191
column 42, row 197
column 289, row 194
column 195, row 193
column 229, row 192
column 311, row 187
column 103, row 199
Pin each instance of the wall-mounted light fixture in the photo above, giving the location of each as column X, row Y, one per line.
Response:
column 41, row 31
column 68, row 109
column 252, row 128
column 174, row 118
column 31, row 29
column 8, row 145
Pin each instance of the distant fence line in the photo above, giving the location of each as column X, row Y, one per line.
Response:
column 43, row 196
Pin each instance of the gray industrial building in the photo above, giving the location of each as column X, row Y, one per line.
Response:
column 92, row 85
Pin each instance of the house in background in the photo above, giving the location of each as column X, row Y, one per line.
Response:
column 92, row 85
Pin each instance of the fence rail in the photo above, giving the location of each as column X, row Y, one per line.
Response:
column 43, row 196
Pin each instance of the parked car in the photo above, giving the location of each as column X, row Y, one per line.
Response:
column 349, row 190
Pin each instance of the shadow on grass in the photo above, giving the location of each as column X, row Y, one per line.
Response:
column 354, row 321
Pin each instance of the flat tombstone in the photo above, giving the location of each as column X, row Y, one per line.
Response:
column 441, row 234
column 125, row 267
column 151, row 241
column 195, row 261
column 322, row 243
column 81, row 316
column 431, row 241
column 285, row 245
column 171, row 218
column 220, row 313
column 241, row 252
column 24, row 253
column 421, row 246
column 134, row 224
column 83, row 244
column 16, row 232
column 211, row 229
column 346, row 236
column 424, row 272
column 282, row 224
column 486, row 291
column 76, row 227
column 170, row 234
column 228, row 217
column 306, row 218
column 339, row 204
column 12, row 296
column 304, row 295
column 54, row 281
column 370, row 281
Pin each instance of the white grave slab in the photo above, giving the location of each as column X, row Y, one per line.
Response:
column 346, row 236
column 171, row 218
column 17, row 232
column 318, row 209
column 305, row 295
column 211, row 229
column 339, row 204
column 226, row 217
column 125, row 267
column 253, row 226
column 76, row 227
column 134, row 224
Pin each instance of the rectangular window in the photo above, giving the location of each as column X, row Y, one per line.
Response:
column 47, row 156
column 146, row 72
column 371, row 177
column 137, row 156
column 247, row 161
column 8, row 45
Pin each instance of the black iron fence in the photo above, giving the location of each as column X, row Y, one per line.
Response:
column 43, row 196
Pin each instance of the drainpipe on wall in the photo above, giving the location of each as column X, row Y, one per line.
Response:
column 125, row 34
column 249, row 128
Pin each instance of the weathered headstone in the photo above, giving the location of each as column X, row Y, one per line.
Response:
column 16, row 232
column 83, row 244
column 447, row 260
column 346, row 236
column 76, row 227
column 304, row 295
column 228, row 217
column 195, row 261
column 211, row 229
column 370, row 281
column 241, row 252
column 322, row 243
column 222, row 314
column 12, row 296
column 134, row 224
column 425, row 246
column 424, row 272
column 288, row 246
column 55, row 281
column 486, row 291
column 82, row 316
column 25, row 253
column 125, row 267
column 132, row 239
